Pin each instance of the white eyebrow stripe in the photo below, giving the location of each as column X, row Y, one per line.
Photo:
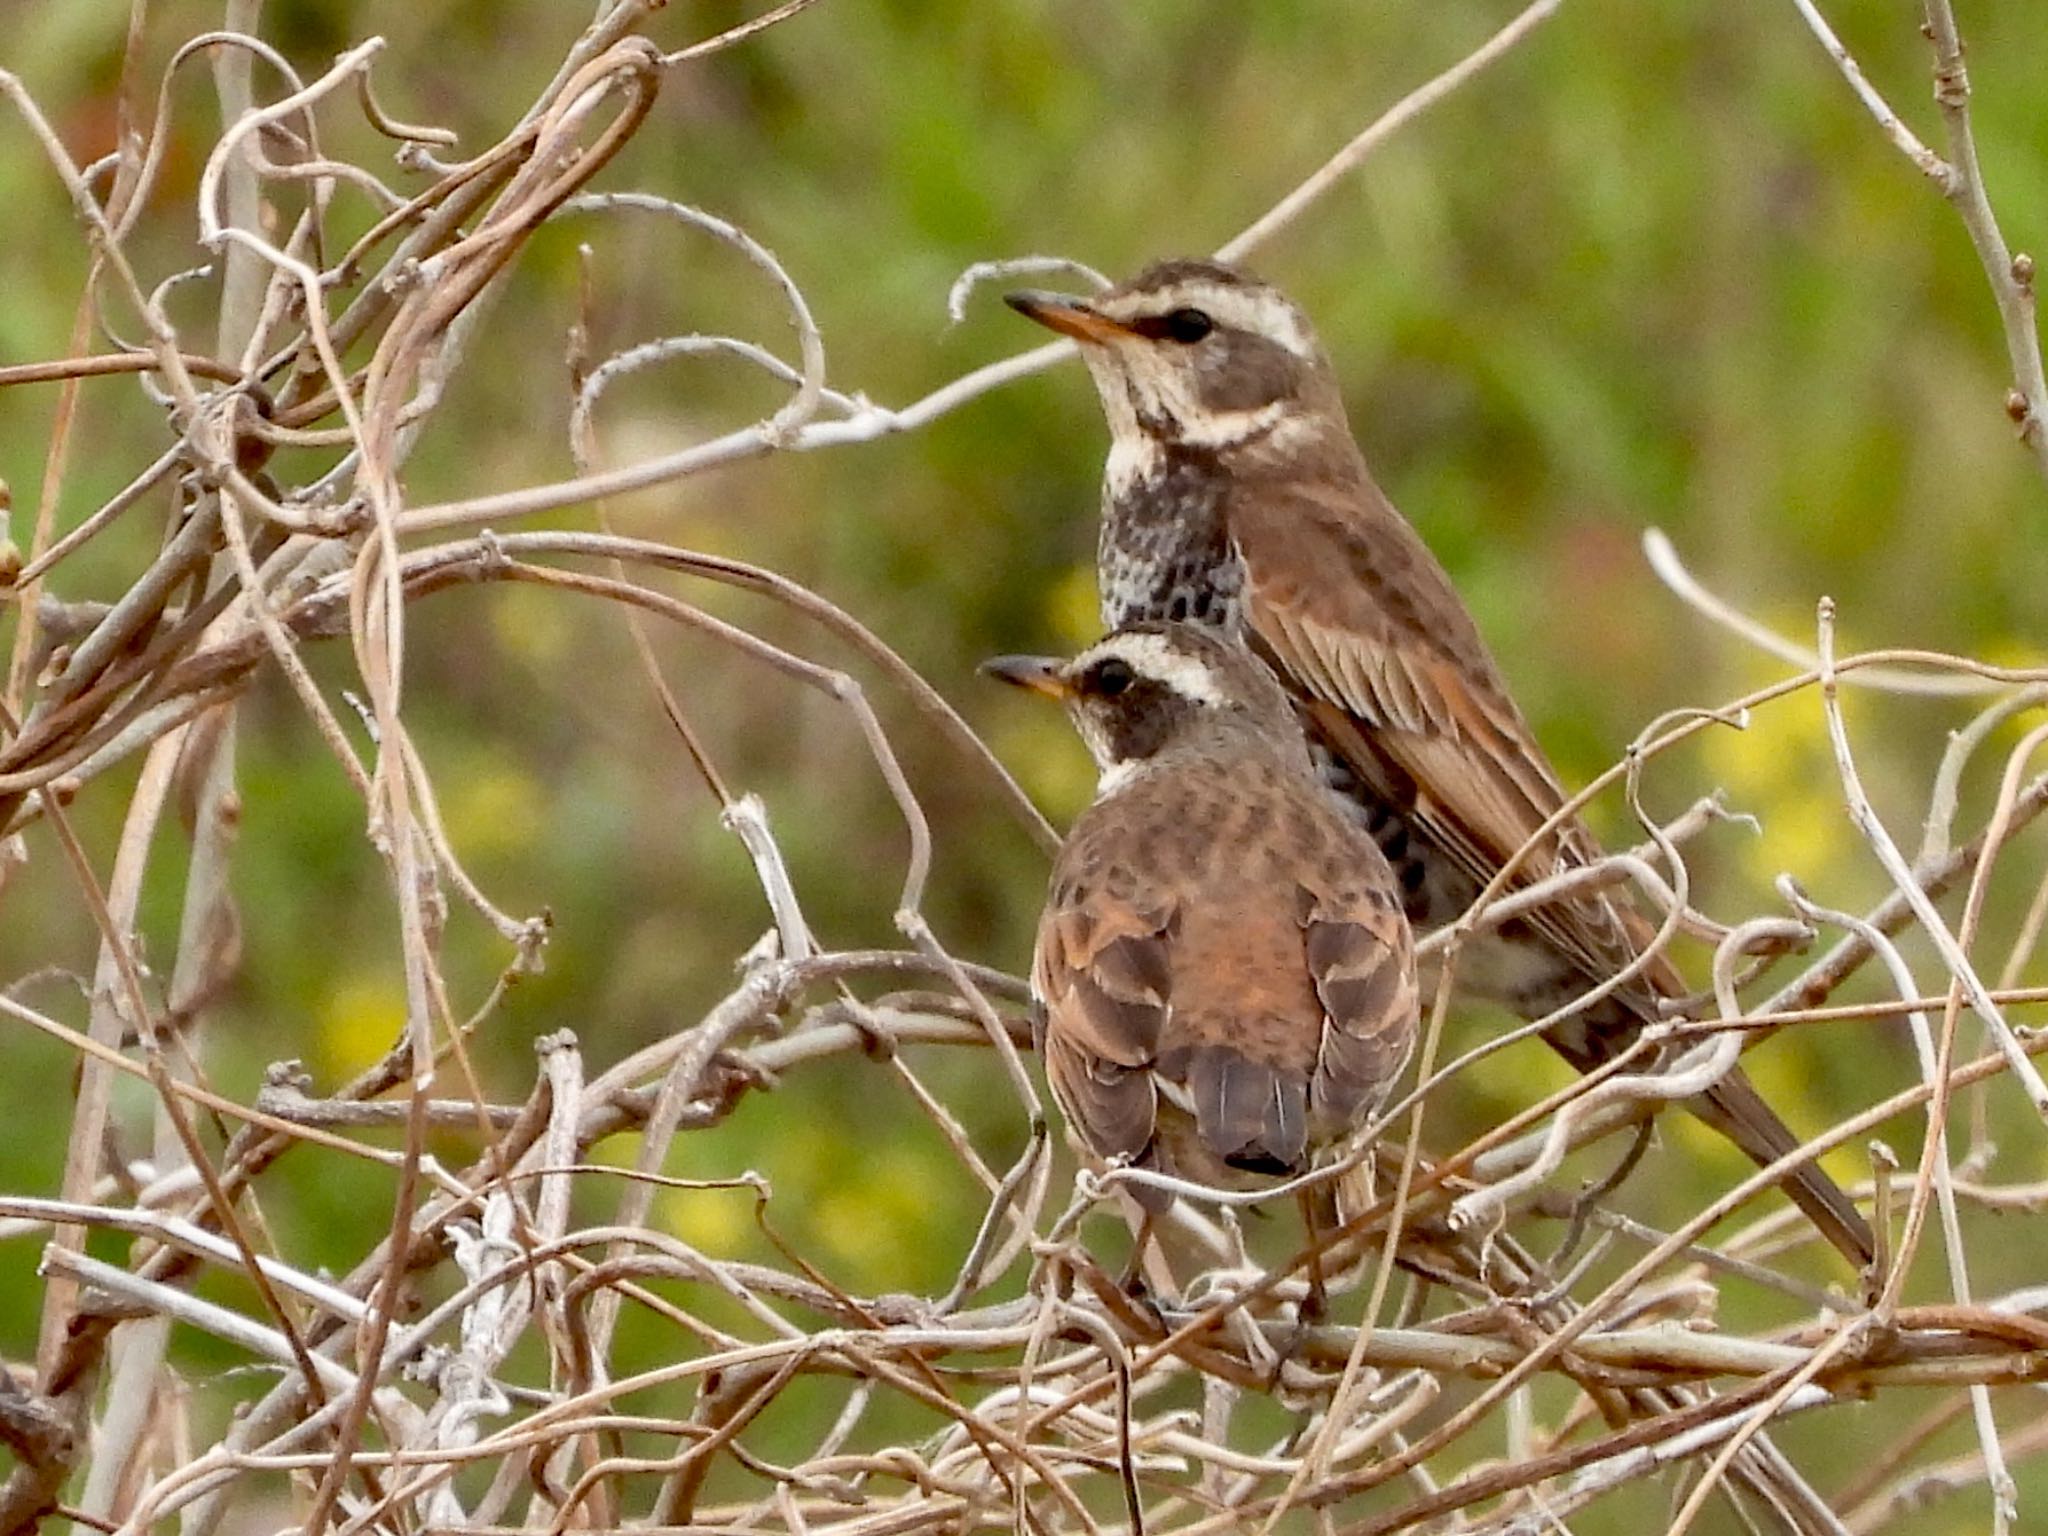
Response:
column 1151, row 656
column 1261, row 311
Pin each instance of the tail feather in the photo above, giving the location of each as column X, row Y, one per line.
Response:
column 1735, row 1109
column 1249, row 1113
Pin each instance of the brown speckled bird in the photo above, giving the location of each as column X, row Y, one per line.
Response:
column 1226, row 981
column 1236, row 497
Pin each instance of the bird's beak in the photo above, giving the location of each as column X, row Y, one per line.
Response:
column 1069, row 316
column 1041, row 674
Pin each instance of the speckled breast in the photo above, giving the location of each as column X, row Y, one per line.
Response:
column 1165, row 552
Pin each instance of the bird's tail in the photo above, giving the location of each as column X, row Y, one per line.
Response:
column 1735, row 1109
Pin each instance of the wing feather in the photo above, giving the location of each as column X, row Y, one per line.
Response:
column 1103, row 974
column 1361, row 962
column 1405, row 691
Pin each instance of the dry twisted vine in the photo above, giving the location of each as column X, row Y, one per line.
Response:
column 1054, row 1396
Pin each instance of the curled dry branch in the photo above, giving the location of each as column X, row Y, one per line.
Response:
column 510, row 1399
column 1960, row 179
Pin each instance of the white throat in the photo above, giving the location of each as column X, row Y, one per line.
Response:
column 1118, row 776
column 1135, row 459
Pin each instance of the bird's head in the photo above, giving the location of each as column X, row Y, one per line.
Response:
column 1198, row 354
column 1149, row 690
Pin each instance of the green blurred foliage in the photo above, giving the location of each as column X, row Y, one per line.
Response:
column 1656, row 268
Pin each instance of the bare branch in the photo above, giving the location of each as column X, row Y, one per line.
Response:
column 492, row 1357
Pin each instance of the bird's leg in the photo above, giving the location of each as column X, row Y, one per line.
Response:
column 1351, row 1193
column 1315, row 1205
column 1133, row 1278
column 1148, row 1277
column 1315, row 1306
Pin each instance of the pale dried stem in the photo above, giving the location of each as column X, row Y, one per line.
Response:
column 1937, row 1170
column 1057, row 1409
column 1866, row 821
column 1960, row 180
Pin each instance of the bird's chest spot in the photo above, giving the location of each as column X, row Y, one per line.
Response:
column 1165, row 551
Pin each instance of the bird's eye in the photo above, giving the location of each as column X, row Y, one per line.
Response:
column 1112, row 677
column 1189, row 325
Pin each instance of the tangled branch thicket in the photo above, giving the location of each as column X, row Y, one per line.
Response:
column 1478, row 1372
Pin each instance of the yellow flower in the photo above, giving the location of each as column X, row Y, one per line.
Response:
column 358, row 1021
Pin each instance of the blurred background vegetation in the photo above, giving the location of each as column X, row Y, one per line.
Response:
column 1655, row 269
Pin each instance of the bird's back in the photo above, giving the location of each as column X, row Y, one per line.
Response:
column 1227, row 977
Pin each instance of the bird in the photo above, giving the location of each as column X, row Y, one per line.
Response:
column 1236, row 497
column 1224, row 977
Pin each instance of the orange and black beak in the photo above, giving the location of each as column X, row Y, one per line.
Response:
column 1067, row 315
column 1041, row 674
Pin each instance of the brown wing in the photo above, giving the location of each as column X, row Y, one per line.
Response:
column 1104, row 979
column 1361, row 961
column 1399, row 681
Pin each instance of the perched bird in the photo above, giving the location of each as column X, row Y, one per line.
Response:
column 1236, row 497
column 1225, row 979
